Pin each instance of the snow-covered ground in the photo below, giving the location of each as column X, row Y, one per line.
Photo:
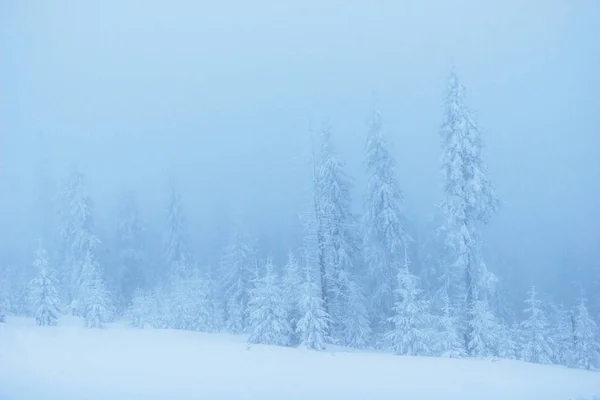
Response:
column 71, row 362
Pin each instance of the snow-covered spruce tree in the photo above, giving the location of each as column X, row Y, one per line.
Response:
column 189, row 303
column 411, row 333
column 508, row 341
column 354, row 324
column 176, row 243
column 586, row 348
column 469, row 202
column 563, row 335
column 216, row 310
column 97, row 302
column 77, row 239
column 267, row 316
column 130, row 274
column 238, row 265
column 44, row 299
column 383, row 224
column 292, row 290
column 337, row 230
column 313, row 326
column 484, row 335
column 535, row 333
column 141, row 312
column 449, row 342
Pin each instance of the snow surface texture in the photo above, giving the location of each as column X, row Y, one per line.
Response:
column 71, row 362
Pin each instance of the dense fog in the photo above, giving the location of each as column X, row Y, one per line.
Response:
column 227, row 101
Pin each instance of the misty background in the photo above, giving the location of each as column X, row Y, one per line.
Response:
column 221, row 96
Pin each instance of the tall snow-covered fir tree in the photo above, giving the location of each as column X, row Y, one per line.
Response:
column 267, row 314
column 43, row 296
column 130, row 273
column 469, row 202
column 238, row 270
column 383, row 224
column 586, row 346
column 411, row 333
column 535, row 333
column 176, row 242
column 338, row 244
column 77, row 237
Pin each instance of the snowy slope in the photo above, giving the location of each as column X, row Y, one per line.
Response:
column 71, row 362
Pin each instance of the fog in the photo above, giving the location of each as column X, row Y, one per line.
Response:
column 222, row 96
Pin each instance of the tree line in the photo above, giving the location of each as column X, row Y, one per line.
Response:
column 352, row 281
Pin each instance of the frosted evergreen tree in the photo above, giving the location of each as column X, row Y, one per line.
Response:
column 77, row 237
column 176, row 242
column 563, row 335
column 216, row 309
column 141, row 312
column 131, row 273
column 410, row 334
column 355, row 325
column 98, row 307
column 508, row 341
column 237, row 271
column 4, row 297
column 44, row 299
column 292, row 289
column 449, row 343
column 586, row 348
column 313, row 326
column 338, row 241
column 535, row 334
column 267, row 315
column 469, row 202
column 383, row 223
column 484, row 336
column 189, row 303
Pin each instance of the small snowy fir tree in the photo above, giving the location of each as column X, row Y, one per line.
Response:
column 131, row 274
column 535, row 335
column 267, row 315
column 238, row 266
column 563, row 323
column 410, row 334
column 484, row 331
column 98, row 308
column 586, row 349
column 215, row 305
column 77, row 239
column 312, row 328
column 383, row 223
column 141, row 312
column 508, row 341
column 449, row 343
column 176, row 246
column 97, row 305
column 189, row 303
column 44, row 300
column 355, row 324
column 292, row 282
